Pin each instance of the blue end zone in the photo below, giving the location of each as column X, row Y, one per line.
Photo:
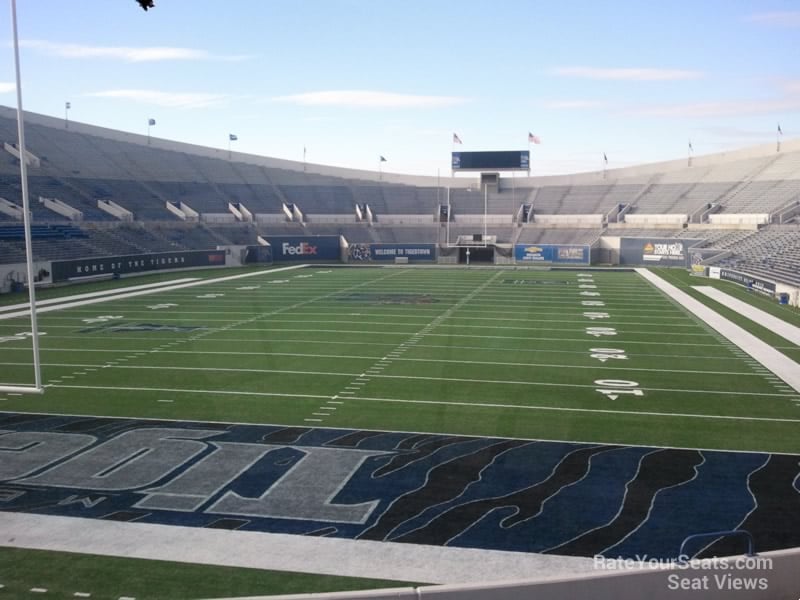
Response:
column 490, row 493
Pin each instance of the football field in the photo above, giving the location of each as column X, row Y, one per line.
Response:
column 569, row 413
column 556, row 355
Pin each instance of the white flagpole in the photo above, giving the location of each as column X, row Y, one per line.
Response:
column 23, row 168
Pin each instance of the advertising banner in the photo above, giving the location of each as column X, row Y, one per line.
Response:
column 753, row 283
column 305, row 248
column 551, row 253
column 64, row 270
column 413, row 252
column 656, row 252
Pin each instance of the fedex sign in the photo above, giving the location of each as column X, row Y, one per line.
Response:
column 318, row 247
column 302, row 249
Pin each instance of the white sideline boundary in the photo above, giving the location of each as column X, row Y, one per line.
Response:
column 763, row 318
column 282, row 552
column 123, row 295
column 107, row 292
column 778, row 363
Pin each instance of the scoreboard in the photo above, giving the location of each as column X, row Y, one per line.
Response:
column 503, row 160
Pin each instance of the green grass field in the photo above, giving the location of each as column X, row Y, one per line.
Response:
column 557, row 355
column 483, row 352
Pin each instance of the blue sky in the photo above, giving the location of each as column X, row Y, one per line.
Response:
column 351, row 80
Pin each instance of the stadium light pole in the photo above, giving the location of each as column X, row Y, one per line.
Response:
column 26, row 220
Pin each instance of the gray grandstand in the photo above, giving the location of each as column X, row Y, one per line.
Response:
column 98, row 192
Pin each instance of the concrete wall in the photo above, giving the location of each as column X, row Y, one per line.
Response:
column 569, row 221
column 729, row 219
column 774, row 574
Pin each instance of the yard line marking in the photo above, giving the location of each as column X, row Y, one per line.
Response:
column 562, row 366
column 37, row 590
column 581, row 410
column 354, row 332
column 165, row 400
column 380, row 375
column 82, row 595
column 188, row 391
column 335, row 342
column 313, row 420
column 320, row 414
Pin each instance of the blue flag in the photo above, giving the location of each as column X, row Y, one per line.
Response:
column 232, row 137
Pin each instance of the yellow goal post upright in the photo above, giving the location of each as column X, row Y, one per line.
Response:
column 36, row 388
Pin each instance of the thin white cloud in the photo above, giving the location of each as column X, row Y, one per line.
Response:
column 627, row 74
column 733, row 133
column 722, row 109
column 786, row 18
column 573, row 104
column 7, row 87
column 791, row 87
column 165, row 99
column 369, row 99
column 126, row 53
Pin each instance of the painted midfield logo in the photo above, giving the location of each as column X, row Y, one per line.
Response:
column 562, row 498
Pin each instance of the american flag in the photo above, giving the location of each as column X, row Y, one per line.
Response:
column 534, row 138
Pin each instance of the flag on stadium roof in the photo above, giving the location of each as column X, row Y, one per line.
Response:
column 67, row 105
column 605, row 158
column 232, row 137
column 151, row 121
column 456, row 139
column 383, row 159
column 779, row 129
column 534, row 138
column 690, row 146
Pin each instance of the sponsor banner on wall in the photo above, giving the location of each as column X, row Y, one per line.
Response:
column 551, row 253
column 665, row 252
column 305, row 248
column 754, row 283
column 64, row 270
column 713, row 272
column 413, row 252
column 359, row 252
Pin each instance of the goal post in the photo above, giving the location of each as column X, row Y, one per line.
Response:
column 37, row 387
